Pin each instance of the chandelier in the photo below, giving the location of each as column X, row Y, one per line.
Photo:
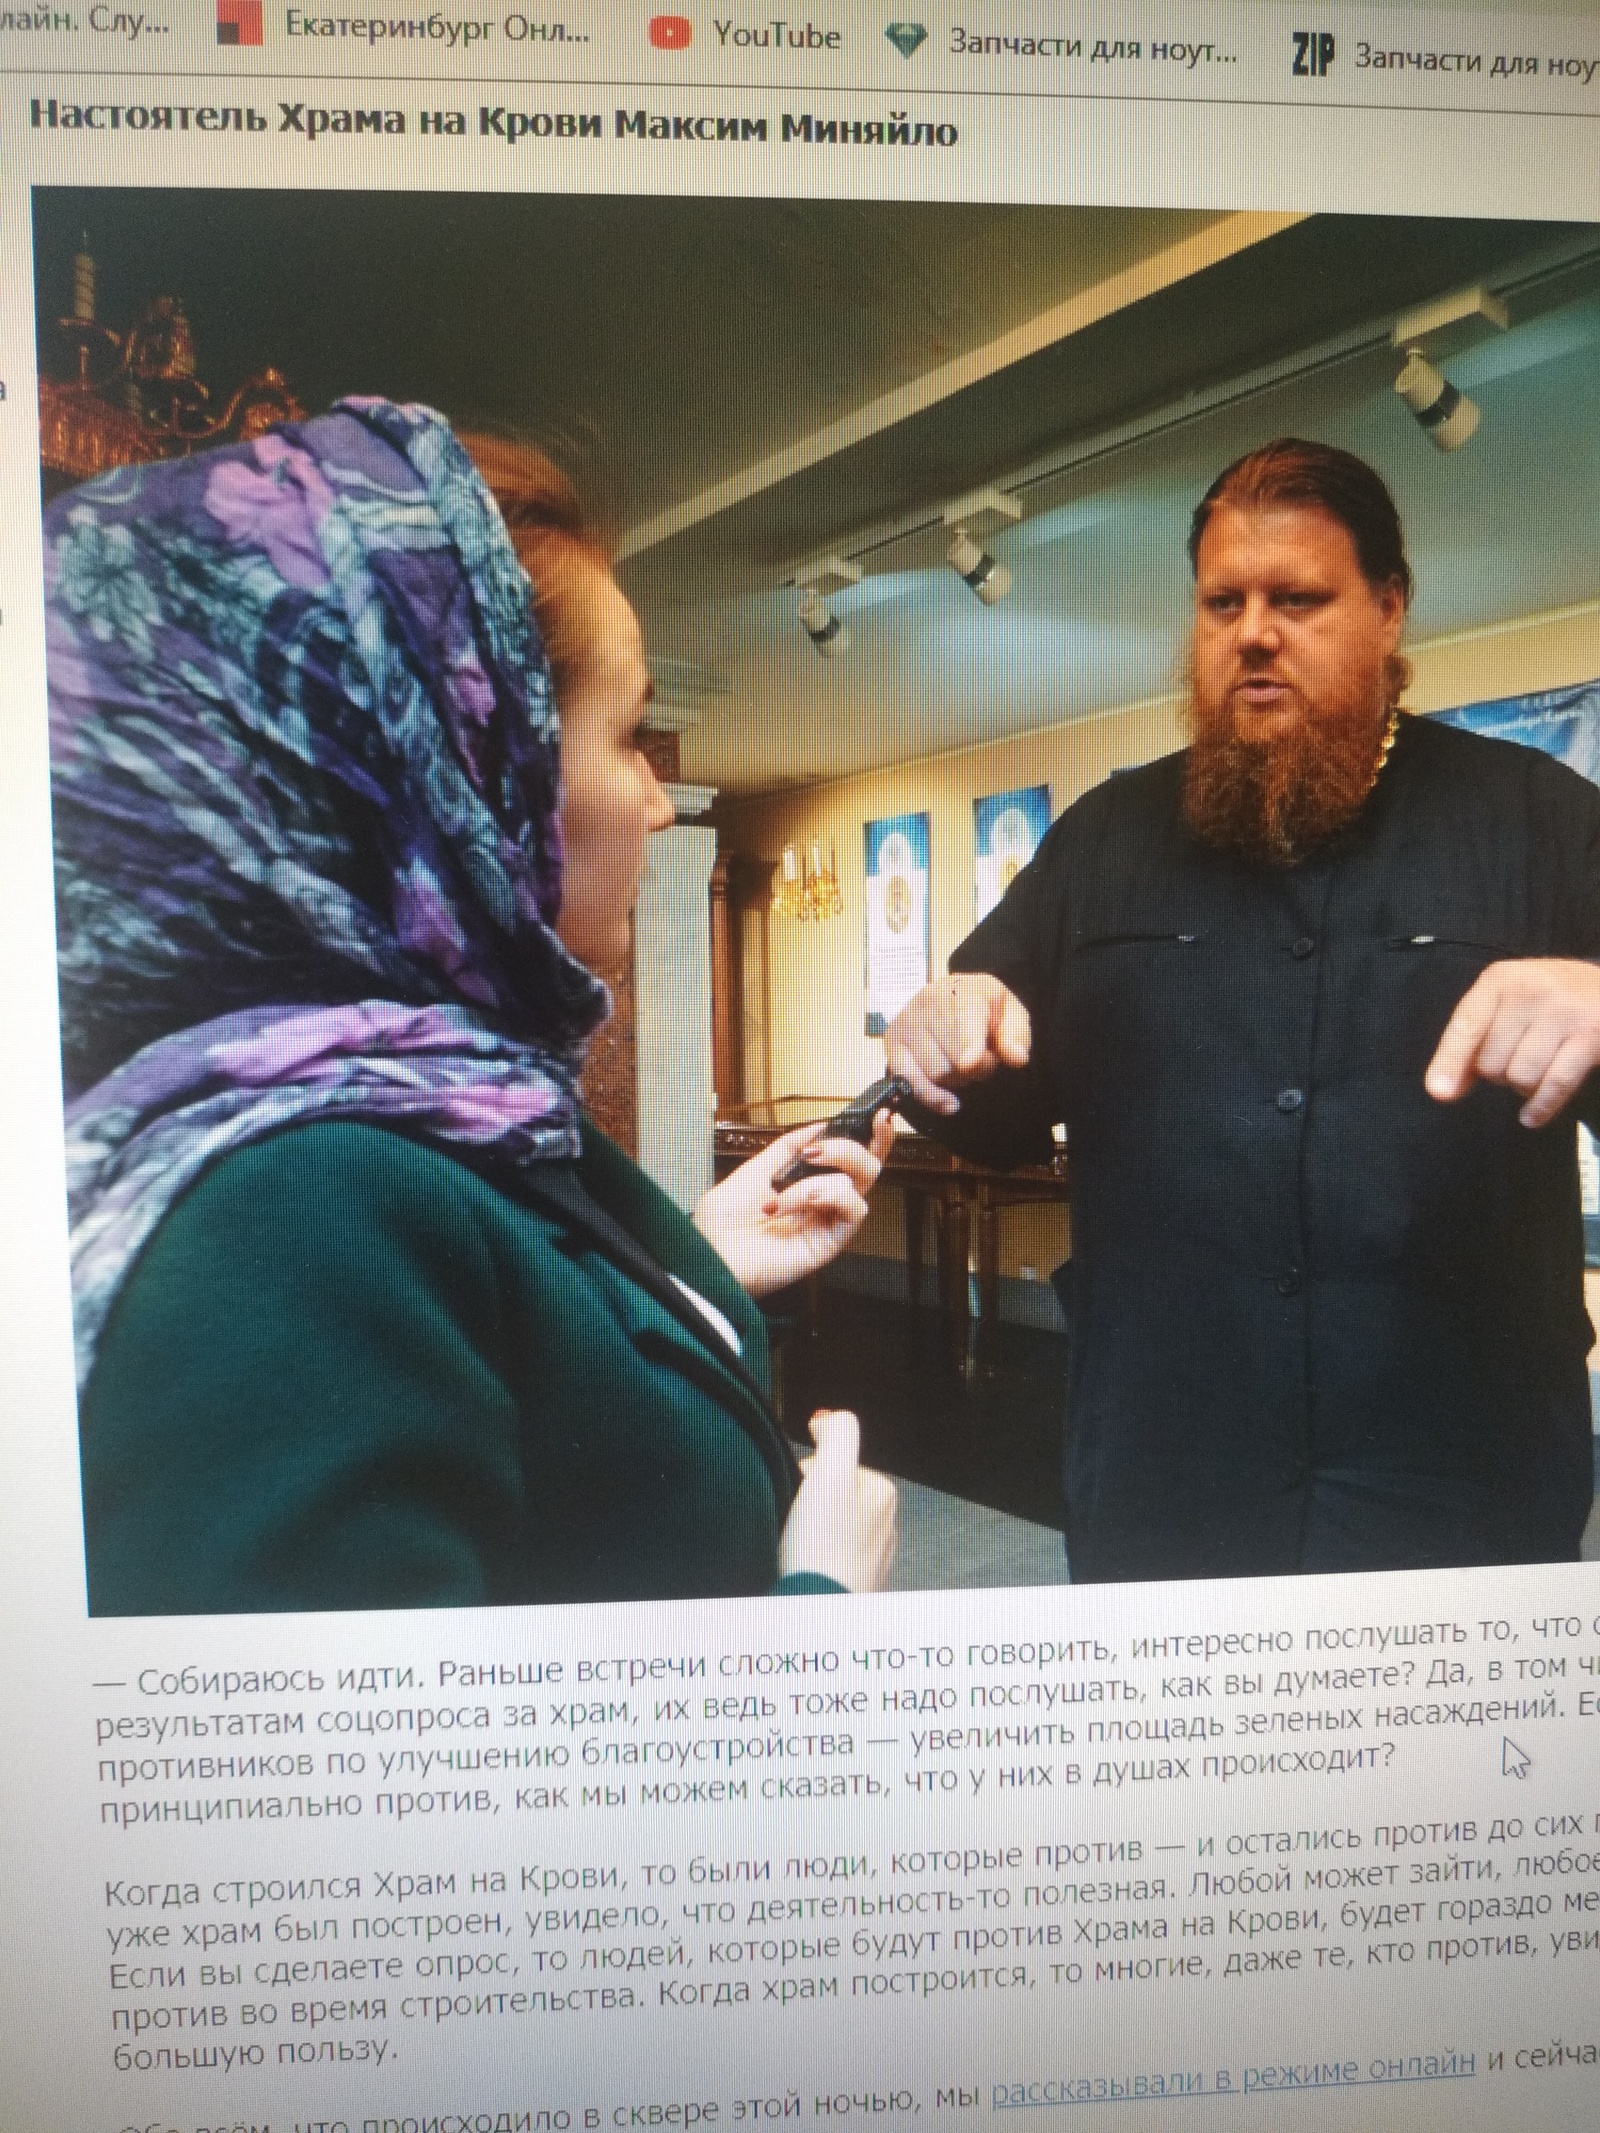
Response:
column 131, row 397
column 805, row 888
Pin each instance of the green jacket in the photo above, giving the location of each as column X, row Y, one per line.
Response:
column 347, row 1372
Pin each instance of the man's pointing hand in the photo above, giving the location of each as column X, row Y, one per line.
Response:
column 954, row 1033
column 1533, row 1025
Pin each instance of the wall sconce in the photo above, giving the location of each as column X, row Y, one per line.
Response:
column 806, row 889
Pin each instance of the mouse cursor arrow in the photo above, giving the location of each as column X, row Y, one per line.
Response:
column 1514, row 1761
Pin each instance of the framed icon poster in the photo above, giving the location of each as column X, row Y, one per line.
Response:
column 898, row 952
column 1006, row 830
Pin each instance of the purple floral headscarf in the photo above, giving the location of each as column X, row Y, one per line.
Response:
column 306, row 777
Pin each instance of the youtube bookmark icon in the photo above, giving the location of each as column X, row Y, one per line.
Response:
column 671, row 33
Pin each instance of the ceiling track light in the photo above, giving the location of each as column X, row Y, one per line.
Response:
column 1443, row 410
column 813, row 581
column 822, row 625
column 1446, row 325
column 975, row 566
column 981, row 512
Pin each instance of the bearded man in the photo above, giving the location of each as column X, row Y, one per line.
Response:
column 1317, row 1003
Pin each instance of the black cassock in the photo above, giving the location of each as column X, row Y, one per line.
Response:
column 1319, row 1321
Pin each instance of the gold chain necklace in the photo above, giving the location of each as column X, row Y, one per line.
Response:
column 1386, row 745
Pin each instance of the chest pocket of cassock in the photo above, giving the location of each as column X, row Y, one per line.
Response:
column 1128, row 1001
column 1423, row 967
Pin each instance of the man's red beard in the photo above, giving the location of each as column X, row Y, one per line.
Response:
column 1276, row 800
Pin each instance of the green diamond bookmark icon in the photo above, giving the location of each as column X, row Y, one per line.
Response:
column 905, row 37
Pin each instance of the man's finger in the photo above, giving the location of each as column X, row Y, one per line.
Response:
column 973, row 1017
column 1450, row 1071
column 932, row 1095
column 1524, row 1056
column 1563, row 1078
column 919, row 1062
column 1014, row 1034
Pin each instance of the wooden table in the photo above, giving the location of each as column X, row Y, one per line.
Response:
column 934, row 1183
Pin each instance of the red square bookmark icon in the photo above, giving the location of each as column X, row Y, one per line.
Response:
column 238, row 21
column 668, row 33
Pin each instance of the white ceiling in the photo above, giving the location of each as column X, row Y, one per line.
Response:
column 1097, row 614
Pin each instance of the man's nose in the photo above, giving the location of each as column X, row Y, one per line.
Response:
column 1258, row 625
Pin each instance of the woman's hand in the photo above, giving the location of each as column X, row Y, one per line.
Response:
column 769, row 1239
column 841, row 1523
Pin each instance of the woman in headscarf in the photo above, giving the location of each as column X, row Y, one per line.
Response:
column 367, row 1313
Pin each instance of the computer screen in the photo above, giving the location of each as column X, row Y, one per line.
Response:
column 800, row 1242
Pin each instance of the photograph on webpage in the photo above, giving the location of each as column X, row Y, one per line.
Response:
column 552, row 697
